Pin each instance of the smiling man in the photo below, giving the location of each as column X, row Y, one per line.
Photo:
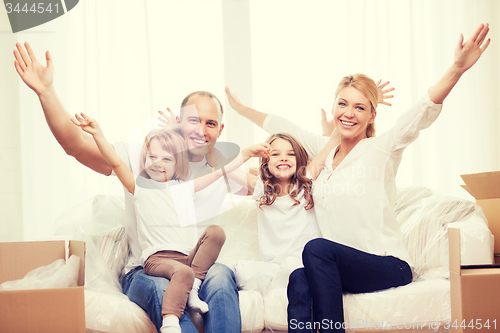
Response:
column 200, row 123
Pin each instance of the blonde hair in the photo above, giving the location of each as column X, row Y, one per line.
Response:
column 367, row 87
column 172, row 142
column 299, row 178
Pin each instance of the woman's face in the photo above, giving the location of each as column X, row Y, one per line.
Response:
column 159, row 164
column 282, row 163
column 352, row 113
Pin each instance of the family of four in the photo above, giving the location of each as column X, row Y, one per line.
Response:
column 325, row 199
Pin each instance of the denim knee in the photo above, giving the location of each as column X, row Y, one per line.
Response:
column 297, row 281
column 220, row 276
column 313, row 248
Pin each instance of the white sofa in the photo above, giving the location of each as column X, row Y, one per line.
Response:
column 424, row 218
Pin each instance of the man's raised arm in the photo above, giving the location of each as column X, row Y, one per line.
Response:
column 74, row 142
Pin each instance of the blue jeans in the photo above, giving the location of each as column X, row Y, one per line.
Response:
column 315, row 291
column 218, row 290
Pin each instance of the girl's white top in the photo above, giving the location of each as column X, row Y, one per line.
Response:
column 354, row 203
column 207, row 203
column 165, row 216
column 284, row 229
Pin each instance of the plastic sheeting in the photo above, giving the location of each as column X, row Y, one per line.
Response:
column 100, row 222
column 59, row 274
column 424, row 218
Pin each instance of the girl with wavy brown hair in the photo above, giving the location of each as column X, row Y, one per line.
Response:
column 283, row 193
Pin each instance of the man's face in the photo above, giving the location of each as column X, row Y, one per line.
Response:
column 200, row 124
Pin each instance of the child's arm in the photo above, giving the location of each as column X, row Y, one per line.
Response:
column 123, row 173
column 316, row 165
column 243, row 178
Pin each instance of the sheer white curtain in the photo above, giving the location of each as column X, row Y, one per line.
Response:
column 121, row 61
column 300, row 51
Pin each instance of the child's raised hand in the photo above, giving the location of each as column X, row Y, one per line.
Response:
column 327, row 125
column 256, row 150
column 87, row 124
column 170, row 120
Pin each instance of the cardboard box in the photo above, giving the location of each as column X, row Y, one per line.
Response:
column 475, row 295
column 59, row 310
column 485, row 188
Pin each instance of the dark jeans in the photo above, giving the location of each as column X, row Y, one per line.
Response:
column 315, row 291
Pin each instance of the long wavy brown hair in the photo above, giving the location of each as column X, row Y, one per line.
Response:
column 298, row 180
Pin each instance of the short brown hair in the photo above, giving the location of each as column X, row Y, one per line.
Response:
column 199, row 93
column 366, row 86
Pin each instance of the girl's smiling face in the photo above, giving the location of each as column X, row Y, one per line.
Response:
column 282, row 163
column 160, row 164
column 352, row 113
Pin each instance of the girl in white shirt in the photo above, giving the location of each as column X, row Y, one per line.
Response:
column 165, row 214
column 283, row 194
column 355, row 194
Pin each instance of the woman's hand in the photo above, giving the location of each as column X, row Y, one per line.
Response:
column 234, row 102
column 36, row 76
column 87, row 124
column 169, row 120
column 382, row 94
column 467, row 54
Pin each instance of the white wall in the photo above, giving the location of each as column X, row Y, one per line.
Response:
column 122, row 65
column 11, row 226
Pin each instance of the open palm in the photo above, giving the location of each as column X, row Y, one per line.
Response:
column 37, row 77
column 466, row 54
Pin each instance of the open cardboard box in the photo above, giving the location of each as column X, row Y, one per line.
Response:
column 475, row 296
column 485, row 188
column 59, row 310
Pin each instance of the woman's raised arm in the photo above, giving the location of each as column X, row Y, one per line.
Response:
column 466, row 55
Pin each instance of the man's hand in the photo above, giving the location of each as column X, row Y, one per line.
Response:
column 36, row 76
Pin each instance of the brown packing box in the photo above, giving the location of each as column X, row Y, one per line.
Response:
column 485, row 188
column 59, row 310
column 475, row 293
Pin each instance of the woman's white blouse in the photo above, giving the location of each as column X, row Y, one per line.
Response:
column 354, row 203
